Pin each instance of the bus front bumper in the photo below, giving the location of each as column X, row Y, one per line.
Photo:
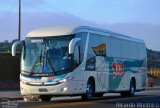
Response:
column 67, row 88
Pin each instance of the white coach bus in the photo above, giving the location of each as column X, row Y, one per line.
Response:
column 80, row 60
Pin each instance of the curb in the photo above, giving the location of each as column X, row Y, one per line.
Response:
column 10, row 95
column 153, row 88
column 10, row 99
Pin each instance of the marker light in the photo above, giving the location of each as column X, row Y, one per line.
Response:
column 65, row 79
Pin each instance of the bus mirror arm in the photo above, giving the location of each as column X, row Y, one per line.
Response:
column 72, row 45
column 14, row 47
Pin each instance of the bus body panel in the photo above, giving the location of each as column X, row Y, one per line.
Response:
column 112, row 60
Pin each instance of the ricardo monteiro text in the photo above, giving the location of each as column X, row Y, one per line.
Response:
column 137, row 105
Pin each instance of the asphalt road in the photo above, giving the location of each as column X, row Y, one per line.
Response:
column 145, row 99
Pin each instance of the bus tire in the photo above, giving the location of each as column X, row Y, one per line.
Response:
column 45, row 97
column 132, row 88
column 89, row 91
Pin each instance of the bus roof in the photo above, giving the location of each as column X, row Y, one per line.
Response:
column 73, row 29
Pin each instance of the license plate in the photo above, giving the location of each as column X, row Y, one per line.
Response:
column 43, row 90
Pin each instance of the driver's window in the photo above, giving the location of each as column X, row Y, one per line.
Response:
column 76, row 58
column 77, row 55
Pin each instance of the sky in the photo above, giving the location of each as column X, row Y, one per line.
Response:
column 135, row 18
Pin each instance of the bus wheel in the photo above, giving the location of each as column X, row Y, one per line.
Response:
column 45, row 97
column 132, row 88
column 89, row 91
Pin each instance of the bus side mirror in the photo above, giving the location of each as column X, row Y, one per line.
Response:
column 14, row 47
column 72, row 45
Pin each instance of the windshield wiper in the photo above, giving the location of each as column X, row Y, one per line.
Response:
column 35, row 64
column 41, row 60
column 50, row 63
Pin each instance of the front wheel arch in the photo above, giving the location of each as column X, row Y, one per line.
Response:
column 89, row 93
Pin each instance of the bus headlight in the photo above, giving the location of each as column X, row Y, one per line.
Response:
column 65, row 79
column 62, row 80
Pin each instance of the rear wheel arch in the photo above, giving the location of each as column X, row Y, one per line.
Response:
column 132, row 89
column 133, row 80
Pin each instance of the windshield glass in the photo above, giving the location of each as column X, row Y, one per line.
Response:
column 46, row 55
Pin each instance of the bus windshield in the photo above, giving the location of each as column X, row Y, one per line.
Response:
column 46, row 55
